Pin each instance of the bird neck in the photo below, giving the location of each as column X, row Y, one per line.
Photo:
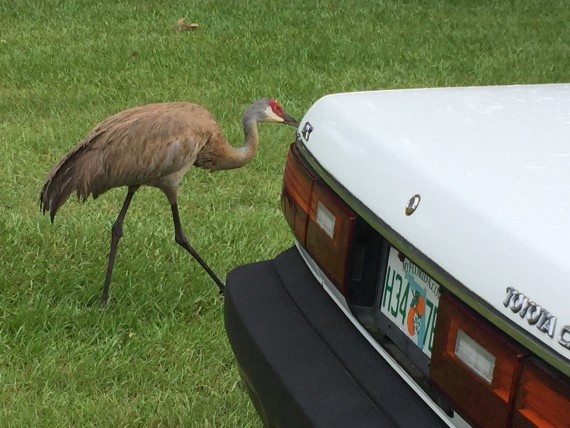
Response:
column 239, row 156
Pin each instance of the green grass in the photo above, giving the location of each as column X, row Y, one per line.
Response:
column 158, row 355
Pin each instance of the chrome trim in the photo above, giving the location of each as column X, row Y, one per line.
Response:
column 434, row 270
column 413, row 204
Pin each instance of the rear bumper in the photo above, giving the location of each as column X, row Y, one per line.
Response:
column 302, row 360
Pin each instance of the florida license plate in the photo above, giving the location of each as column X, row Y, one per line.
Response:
column 410, row 299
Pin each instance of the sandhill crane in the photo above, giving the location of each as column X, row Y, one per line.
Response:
column 152, row 145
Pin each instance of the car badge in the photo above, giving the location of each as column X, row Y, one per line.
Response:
column 535, row 315
column 307, row 129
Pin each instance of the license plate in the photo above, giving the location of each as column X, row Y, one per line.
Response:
column 410, row 299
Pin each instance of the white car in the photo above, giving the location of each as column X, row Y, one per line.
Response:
column 428, row 283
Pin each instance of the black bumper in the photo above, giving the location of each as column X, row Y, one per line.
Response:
column 303, row 362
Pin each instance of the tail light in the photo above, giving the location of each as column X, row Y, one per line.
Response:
column 488, row 378
column 473, row 365
column 543, row 398
column 296, row 195
column 320, row 220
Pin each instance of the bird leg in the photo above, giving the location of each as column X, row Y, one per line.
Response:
column 181, row 240
column 116, row 233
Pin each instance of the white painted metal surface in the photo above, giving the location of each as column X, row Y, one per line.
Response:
column 492, row 167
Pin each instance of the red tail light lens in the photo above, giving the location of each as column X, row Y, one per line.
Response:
column 329, row 233
column 473, row 365
column 543, row 398
column 320, row 220
column 296, row 195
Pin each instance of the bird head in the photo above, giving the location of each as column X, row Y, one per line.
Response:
column 269, row 110
column 276, row 113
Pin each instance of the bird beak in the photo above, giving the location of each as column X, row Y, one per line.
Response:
column 288, row 120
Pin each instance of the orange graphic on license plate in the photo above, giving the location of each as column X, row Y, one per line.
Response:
column 409, row 299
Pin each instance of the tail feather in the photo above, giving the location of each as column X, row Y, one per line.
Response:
column 61, row 182
column 73, row 173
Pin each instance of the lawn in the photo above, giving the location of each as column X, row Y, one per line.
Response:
column 158, row 355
